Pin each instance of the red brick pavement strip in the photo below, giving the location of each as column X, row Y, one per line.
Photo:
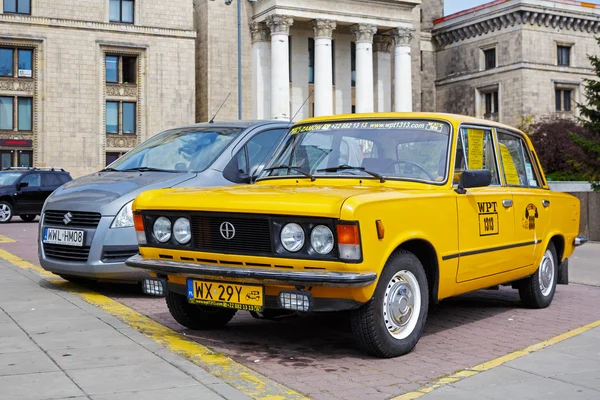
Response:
column 316, row 354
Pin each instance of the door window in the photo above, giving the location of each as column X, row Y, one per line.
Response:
column 475, row 150
column 50, row 180
column 518, row 168
column 32, row 179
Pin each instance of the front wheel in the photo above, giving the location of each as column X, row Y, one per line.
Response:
column 195, row 316
column 391, row 323
column 6, row 212
column 27, row 217
column 537, row 291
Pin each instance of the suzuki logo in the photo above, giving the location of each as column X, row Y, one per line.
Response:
column 227, row 230
column 68, row 218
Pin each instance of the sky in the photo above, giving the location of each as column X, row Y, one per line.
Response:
column 452, row 6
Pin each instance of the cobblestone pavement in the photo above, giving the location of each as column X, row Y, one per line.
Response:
column 316, row 354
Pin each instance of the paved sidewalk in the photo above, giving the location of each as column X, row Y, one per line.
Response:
column 566, row 370
column 53, row 345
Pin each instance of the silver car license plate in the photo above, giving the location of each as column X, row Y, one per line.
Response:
column 68, row 237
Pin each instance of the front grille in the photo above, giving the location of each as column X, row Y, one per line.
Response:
column 78, row 218
column 66, row 253
column 118, row 253
column 252, row 234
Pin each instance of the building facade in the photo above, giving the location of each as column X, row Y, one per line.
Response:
column 82, row 82
column 510, row 59
column 303, row 58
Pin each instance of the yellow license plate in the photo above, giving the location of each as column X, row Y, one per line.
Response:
column 228, row 295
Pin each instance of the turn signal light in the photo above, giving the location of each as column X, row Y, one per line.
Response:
column 138, row 223
column 349, row 241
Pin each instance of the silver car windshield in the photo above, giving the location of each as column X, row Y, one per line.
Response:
column 8, row 178
column 383, row 149
column 179, row 150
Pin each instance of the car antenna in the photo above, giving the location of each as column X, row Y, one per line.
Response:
column 300, row 108
column 212, row 120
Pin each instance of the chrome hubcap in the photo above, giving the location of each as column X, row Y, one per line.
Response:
column 4, row 212
column 546, row 273
column 402, row 304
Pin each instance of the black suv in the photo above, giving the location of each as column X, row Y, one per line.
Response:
column 23, row 191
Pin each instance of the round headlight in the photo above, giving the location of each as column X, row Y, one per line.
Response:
column 321, row 239
column 182, row 230
column 292, row 237
column 162, row 229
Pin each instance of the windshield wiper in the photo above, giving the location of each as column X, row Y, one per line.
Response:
column 108, row 170
column 290, row 168
column 347, row 167
column 148, row 169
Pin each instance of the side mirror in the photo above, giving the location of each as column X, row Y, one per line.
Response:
column 474, row 178
column 23, row 184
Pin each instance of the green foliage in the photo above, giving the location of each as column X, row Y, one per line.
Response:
column 526, row 123
column 590, row 112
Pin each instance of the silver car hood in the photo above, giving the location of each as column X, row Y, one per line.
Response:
column 107, row 192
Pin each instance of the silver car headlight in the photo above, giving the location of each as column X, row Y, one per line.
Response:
column 182, row 230
column 162, row 229
column 292, row 237
column 124, row 217
column 321, row 239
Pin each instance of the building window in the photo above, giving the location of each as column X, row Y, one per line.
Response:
column 121, row 11
column 311, row 60
column 24, row 113
column 121, row 117
column 489, row 56
column 121, row 69
column 563, row 55
column 111, row 157
column 563, row 99
column 22, row 58
column 17, row 7
column 492, row 106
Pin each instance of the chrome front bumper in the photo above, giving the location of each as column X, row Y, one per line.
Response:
column 579, row 240
column 256, row 275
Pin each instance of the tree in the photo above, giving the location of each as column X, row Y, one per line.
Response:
column 590, row 112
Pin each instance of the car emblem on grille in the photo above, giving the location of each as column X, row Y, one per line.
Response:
column 68, row 218
column 227, row 230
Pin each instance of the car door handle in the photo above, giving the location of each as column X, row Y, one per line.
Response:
column 507, row 203
column 546, row 203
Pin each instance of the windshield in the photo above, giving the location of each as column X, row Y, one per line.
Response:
column 394, row 149
column 8, row 178
column 179, row 150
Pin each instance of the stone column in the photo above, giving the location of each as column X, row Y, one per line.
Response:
column 261, row 71
column 280, row 70
column 323, row 29
column 382, row 46
column 402, row 70
column 364, row 66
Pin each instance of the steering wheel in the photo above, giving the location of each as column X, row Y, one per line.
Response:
column 422, row 168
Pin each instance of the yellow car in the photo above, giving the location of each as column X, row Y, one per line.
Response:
column 381, row 214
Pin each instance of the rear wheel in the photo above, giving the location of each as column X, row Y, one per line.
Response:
column 27, row 217
column 196, row 316
column 6, row 212
column 537, row 291
column 392, row 322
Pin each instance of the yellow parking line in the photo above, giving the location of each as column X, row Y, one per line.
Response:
column 495, row 362
column 5, row 239
column 242, row 378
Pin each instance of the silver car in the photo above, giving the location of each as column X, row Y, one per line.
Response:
column 86, row 228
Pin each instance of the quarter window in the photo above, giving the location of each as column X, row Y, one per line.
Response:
column 17, row 6
column 121, row 11
column 516, row 162
column 475, row 150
